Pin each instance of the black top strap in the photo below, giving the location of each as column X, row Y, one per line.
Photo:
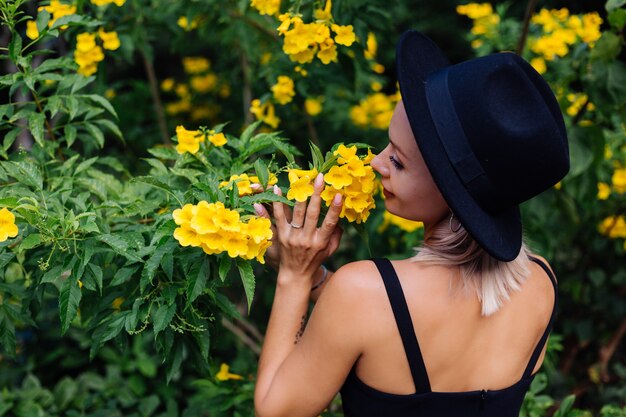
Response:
column 405, row 325
column 537, row 352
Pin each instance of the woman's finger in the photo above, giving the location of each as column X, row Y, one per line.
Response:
column 335, row 239
column 332, row 218
column 279, row 212
column 313, row 211
column 297, row 218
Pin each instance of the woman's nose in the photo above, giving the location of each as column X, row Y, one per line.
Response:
column 378, row 163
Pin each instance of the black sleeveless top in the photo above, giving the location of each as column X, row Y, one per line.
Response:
column 361, row 400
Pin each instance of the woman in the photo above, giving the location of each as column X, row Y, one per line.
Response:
column 459, row 329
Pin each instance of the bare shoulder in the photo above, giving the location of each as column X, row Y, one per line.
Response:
column 544, row 262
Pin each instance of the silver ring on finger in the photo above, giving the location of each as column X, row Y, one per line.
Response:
column 295, row 226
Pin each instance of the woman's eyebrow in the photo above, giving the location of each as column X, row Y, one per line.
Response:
column 397, row 148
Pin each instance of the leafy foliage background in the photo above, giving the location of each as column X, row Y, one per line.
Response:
column 103, row 313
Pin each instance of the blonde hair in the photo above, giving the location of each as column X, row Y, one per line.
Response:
column 491, row 279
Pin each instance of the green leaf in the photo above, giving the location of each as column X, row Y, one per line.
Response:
column 247, row 133
column 96, row 133
column 85, row 165
column 70, row 134
column 247, row 278
column 15, row 47
column 119, row 246
column 43, row 17
column 617, row 18
column 224, row 304
column 174, row 360
column 26, row 172
column 106, row 104
column 7, row 334
column 316, row 154
column 567, row 404
column 153, row 262
column 5, row 258
column 123, row 275
column 154, row 182
column 225, row 265
column 35, row 125
column 112, row 127
column 164, row 152
column 614, row 4
column 197, row 281
column 30, row 241
column 69, row 299
column 260, row 167
column 163, row 317
column 96, row 272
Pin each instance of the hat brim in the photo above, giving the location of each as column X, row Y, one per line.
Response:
column 417, row 57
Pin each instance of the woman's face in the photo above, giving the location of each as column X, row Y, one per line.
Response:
column 409, row 189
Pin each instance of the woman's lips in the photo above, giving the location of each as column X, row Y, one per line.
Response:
column 387, row 193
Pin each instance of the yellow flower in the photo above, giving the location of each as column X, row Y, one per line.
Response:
column 550, row 47
column 402, row 223
column 285, row 20
column 57, row 10
column 195, row 64
column 167, row 84
column 313, row 106
column 236, row 244
column 372, row 46
column 539, row 64
column 283, row 90
column 619, row 180
column 375, row 110
column 604, row 191
column 257, row 250
column 203, row 220
column 188, row 140
column 268, row 7
column 590, row 31
column 344, row 34
column 477, row 43
column 31, row 30
column 345, row 154
column 87, row 54
column 613, row 227
column 324, row 14
column 7, row 224
column 227, row 219
column 187, row 25
column 259, row 229
column 304, row 57
column 110, row 40
column 264, row 112
column 116, row 304
column 338, row 177
column 185, row 214
column 300, row 188
column 547, row 20
column 203, row 83
column 218, row 139
column 327, row 52
column 224, row 375
column 186, row 236
column 475, row 10
column 105, row 2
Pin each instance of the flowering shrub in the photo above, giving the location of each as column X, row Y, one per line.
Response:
column 127, row 224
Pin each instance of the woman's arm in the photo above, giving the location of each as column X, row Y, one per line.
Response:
column 291, row 380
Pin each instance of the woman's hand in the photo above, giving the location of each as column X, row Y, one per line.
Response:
column 302, row 246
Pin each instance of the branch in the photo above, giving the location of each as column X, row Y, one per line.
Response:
column 247, row 340
column 156, row 99
column 530, row 8
column 607, row 351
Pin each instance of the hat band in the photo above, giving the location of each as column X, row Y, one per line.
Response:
column 456, row 145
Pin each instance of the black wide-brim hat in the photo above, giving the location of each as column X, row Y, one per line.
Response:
column 491, row 133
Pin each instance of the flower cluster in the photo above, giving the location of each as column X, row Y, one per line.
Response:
column 618, row 184
column 190, row 140
column 402, row 223
column 352, row 177
column 217, row 229
column 57, row 10
column 88, row 53
column 613, row 227
column 305, row 41
column 267, row 7
column 225, row 375
column 188, row 25
column 244, row 182
column 7, row 224
column 264, row 112
column 283, row 90
column 485, row 21
column 370, row 51
column 118, row 3
column 374, row 110
column 577, row 101
column 202, row 81
column 560, row 31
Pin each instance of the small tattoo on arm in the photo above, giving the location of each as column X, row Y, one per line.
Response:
column 301, row 330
